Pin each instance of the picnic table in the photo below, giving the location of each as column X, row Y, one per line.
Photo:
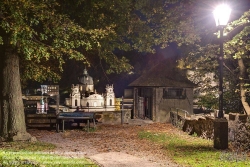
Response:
column 66, row 116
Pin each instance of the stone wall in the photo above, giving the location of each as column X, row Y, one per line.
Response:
column 114, row 117
column 237, row 117
column 204, row 125
column 200, row 125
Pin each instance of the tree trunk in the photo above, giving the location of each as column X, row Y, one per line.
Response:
column 242, row 88
column 12, row 126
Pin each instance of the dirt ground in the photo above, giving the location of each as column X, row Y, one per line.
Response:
column 110, row 145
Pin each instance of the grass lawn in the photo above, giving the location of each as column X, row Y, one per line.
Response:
column 31, row 154
column 193, row 151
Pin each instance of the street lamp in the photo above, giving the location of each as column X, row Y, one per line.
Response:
column 221, row 16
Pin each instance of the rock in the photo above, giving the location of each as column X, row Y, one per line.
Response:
column 22, row 136
column 33, row 139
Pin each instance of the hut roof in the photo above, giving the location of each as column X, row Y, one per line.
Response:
column 164, row 74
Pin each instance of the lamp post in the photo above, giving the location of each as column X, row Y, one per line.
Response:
column 221, row 16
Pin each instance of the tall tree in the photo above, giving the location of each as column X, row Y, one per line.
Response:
column 33, row 32
column 237, row 48
column 236, row 57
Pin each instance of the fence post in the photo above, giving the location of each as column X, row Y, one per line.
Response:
column 122, row 112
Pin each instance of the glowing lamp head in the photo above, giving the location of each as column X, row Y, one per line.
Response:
column 222, row 14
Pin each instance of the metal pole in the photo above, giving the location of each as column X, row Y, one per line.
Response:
column 57, row 102
column 220, row 115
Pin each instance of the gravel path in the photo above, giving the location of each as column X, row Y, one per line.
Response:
column 110, row 145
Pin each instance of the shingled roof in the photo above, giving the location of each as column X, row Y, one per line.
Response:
column 163, row 75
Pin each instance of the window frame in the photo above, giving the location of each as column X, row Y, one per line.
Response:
column 174, row 93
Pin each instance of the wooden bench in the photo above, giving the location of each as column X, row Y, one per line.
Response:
column 75, row 116
column 40, row 120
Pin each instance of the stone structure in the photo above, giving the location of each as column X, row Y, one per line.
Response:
column 163, row 87
column 209, row 127
column 84, row 96
column 114, row 117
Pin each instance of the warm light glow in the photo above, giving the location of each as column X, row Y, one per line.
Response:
column 221, row 14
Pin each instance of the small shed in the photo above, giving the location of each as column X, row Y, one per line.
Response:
column 163, row 87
